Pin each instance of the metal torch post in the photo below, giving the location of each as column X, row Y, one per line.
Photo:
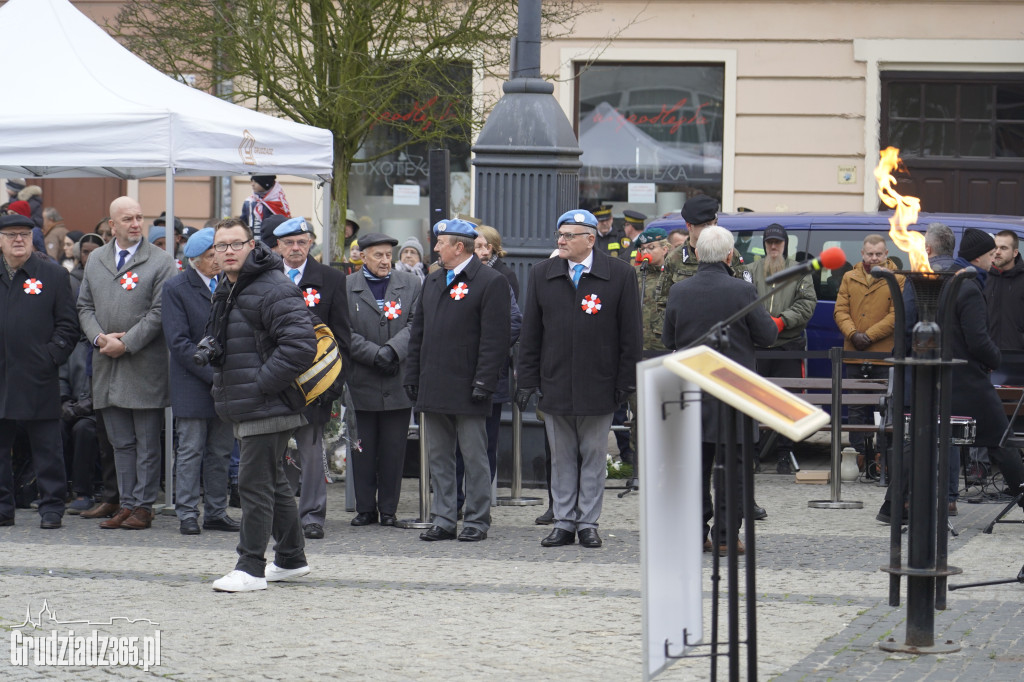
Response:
column 424, row 519
column 515, row 497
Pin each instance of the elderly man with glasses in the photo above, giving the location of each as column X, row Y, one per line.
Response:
column 579, row 347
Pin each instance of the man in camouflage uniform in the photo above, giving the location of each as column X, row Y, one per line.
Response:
column 698, row 212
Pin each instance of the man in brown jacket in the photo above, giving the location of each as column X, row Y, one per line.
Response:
column 866, row 318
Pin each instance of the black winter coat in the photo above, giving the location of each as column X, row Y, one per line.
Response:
column 268, row 341
column 38, row 331
column 1004, row 297
column 325, row 294
column 579, row 359
column 458, row 340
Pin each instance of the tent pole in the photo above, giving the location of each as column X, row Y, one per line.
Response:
column 325, row 256
column 169, row 244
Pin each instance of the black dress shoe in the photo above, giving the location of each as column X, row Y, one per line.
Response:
column 364, row 518
column 189, row 527
column 50, row 520
column 6, row 520
column 760, row 513
column 313, row 531
column 437, row 533
column 387, row 519
column 559, row 537
column 589, row 537
column 472, row 535
column 225, row 523
column 233, row 499
column 545, row 519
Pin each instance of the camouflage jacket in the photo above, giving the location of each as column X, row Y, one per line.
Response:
column 681, row 263
column 652, row 307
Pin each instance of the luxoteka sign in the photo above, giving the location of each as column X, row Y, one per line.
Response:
column 671, row 115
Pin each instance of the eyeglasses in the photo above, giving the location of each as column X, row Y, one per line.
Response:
column 15, row 236
column 568, row 236
column 648, row 248
column 235, row 246
column 289, row 243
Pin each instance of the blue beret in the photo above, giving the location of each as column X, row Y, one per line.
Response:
column 459, row 228
column 292, row 226
column 577, row 217
column 199, row 243
column 156, row 232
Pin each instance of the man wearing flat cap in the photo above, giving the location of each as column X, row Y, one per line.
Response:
column 323, row 290
column 381, row 302
column 205, row 441
column 267, row 199
column 38, row 331
column 579, row 347
column 457, row 345
column 699, row 212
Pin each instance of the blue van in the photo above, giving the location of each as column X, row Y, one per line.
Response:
column 812, row 233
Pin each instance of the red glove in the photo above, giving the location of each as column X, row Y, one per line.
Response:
column 779, row 323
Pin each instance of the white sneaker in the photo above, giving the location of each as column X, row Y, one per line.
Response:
column 239, row 581
column 275, row 573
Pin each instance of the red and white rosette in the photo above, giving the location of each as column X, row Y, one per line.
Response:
column 32, row 286
column 181, row 268
column 459, row 291
column 392, row 310
column 591, row 304
column 311, row 296
column 129, row 281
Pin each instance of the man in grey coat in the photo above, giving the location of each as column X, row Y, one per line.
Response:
column 381, row 302
column 119, row 310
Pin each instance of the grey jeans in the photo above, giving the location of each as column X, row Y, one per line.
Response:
column 203, row 444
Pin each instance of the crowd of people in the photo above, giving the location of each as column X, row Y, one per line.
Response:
column 109, row 329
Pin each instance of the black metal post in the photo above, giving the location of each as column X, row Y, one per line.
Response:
column 732, row 522
column 747, row 440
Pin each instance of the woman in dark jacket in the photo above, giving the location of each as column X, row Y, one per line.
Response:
column 488, row 250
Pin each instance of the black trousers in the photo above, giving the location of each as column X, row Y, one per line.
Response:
column 47, row 460
column 864, row 414
column 109, row 471
column 707, row 469
column 81, row 451
column 377, row 470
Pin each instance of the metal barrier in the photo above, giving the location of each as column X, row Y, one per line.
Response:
column 424, row 518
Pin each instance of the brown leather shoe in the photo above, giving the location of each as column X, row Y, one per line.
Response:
column 140, row 518
column 103, row 510
column 740, row 549
column 120, row 517
column 952, row 509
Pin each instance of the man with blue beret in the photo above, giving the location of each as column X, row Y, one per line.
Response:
column 458, row 343
column 324, row 291
column 204, row 440
column 579, row 348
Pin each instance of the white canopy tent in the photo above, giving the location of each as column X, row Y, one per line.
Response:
column 97, row 110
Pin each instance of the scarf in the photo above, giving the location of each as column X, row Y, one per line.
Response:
column 273, row 202
column 982, row 275
column 378, row 286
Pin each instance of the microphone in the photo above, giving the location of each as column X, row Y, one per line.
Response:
column 830, row 258
column 643, row 259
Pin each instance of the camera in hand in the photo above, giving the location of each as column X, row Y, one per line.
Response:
column 208, row 352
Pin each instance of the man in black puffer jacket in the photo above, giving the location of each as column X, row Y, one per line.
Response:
column 265, row 331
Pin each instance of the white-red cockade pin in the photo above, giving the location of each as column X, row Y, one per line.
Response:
column 392, row 310
column 129, row 281
column 459, row 291
column 591, row 304
column 311, row 296
column 32, row 286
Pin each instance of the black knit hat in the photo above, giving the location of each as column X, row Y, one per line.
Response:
column 975, row 243
column 264, row 181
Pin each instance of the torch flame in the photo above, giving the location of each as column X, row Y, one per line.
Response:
column 906, row 210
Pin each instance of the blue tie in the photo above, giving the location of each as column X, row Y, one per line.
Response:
column 450, row 276
column 577, row 270
column 294, row 274
column 213, row 284
column 122, row 257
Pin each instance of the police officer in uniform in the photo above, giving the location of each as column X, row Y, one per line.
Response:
column 632, row 226
column 610, row 239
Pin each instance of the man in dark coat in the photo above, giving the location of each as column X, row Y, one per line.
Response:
column 458, row 342
column 38, row 331
column 1004, row 293
column 205, row 440
column 688, row 317
column 323, row 290
column 580, row 344
column 381, row 302
column 265, row 332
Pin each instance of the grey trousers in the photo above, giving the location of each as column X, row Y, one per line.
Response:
column 135, row 437
column 309, row 478
column 442, row 431
column 203, row 445
column 268, row 506
column 579, row 466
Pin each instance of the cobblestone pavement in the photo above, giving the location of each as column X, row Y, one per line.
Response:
column 381, row 604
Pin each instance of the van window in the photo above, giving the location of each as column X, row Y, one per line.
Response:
column 826, row 282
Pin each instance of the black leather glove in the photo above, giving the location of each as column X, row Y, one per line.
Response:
column 384, row 358
column 67, row 410
column 523, row 396
column 860, row 340
column 621, row 396
column 83, row 408
column 412, row 391
column 481, row 395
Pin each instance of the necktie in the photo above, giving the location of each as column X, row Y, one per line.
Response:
column 577, row 270
column 122, row 256
column 450, row 276
column 213, row 284
column 294, row 274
